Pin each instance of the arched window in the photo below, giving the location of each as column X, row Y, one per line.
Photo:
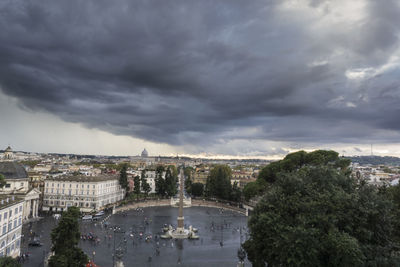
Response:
column 3, row 244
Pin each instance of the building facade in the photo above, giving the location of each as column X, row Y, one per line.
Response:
column 11, row 211
column 89, row 193
column 17, row 184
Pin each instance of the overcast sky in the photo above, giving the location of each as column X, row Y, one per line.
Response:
column 231, row 77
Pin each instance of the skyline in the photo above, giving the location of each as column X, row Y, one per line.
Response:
column 232, row 78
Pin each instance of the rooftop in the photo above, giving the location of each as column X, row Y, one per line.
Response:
column 83, row 178
column 12, row 170
column 9, row 200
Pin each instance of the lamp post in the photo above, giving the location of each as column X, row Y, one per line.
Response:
column 117, row 230
column 241, row 253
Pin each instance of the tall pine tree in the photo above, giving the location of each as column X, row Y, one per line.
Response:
column 65, row 238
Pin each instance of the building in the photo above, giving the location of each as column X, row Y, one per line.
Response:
column 89, row 193
column 200, row 176
column 145, row 154
column 8, row 154
column 11, row 211
column 151, row 180
column 17, row 184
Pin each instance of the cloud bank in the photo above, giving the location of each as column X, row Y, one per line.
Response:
column 201, row 74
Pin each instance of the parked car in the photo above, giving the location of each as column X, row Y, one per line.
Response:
column 87, row 217
column 35, row 243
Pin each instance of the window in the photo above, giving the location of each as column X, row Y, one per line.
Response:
column 3, row 244
column 94, row 186
column 8, row 250
column 4, row 229
column 15, row 223
column 88, row 186
column 0, row 217
column 47, row 190
column 16, row 211
column 9, row 226
column 20, row 208
column 18, row 243
column 8, row 185
column 10, row 213
column 22, row 184
column 19, row 221
column 5, row 215
column 63, row 185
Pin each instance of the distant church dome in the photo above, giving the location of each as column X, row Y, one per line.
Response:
column 12, row 170
column 145, row 154
column 8, row 154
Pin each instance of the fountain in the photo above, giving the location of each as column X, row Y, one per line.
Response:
column 180, row 232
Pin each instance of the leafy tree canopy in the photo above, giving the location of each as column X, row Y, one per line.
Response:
column 2, row 181
column 318, row 215
column 7, row 261
column 65, row 238
column 123, row 177
column 218, row 183
column 197, row 189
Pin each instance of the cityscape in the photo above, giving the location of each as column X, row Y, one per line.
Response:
column 199, row 133
column 120, row 223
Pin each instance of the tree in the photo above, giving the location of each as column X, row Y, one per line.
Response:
column 170, row 183
column 188, row 185
column 65, row 238
column 159, row 181
column 236, row 193
column 318, row 215
column 7, row 261
column 2, row 181
column 187, row 171
column 294, row 161
column 136, row 186
column 218, row 183
column 123, row 177
column 253, row 189
column 197, row 189
column 145, row 185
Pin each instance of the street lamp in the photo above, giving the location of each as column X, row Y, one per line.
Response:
column 117, row 230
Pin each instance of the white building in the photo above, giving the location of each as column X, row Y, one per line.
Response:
column 151, row 180
column 11, row 211
column 17, row 184
column 89, row 193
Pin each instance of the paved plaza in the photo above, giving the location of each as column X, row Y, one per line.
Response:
column 137, row 236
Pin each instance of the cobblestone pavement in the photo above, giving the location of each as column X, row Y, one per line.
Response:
column 139, row 240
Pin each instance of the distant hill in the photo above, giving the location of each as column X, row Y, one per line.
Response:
column 376, row 160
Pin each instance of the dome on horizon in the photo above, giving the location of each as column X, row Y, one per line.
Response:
column 145, row 154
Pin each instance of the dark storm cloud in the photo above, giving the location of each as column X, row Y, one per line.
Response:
column 191, row 71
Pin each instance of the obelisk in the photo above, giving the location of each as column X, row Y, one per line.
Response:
column 180, row 214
